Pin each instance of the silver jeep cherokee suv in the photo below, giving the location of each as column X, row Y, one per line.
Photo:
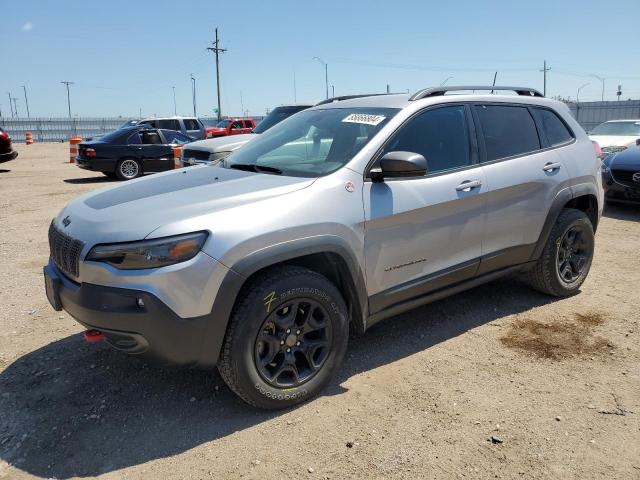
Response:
column 340, row 216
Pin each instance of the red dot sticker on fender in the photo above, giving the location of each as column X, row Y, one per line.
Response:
column 349, row 186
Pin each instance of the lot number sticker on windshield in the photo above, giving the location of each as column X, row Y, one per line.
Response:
column 364, row 118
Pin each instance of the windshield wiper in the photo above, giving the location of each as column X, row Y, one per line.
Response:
column 250, row 167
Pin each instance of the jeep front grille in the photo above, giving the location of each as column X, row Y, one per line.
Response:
column 65, row 251
column 195, row 154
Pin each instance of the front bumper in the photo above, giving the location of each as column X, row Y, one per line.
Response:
column 618, row 192
column 5, row 157
column 138, row 322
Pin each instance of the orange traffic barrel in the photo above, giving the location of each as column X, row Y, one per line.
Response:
column 177, row 151
column 73, row 148
column 28, row 137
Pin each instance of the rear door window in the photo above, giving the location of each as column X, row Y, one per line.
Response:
column 507, row 130
column 191, row 124
column 555, row 129
column 169, row 124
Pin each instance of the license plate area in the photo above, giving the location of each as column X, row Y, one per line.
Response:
column 52, row 288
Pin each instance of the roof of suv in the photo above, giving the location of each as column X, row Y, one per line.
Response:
column 404, row 100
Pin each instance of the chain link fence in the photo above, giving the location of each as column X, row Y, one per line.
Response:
column 60, row 129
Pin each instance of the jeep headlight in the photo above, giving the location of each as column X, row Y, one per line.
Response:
column 155, row 253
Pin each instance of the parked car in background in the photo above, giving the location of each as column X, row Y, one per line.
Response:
column 6, row 149
column 129, row 152
column 621, row 176
column 231, row 126
column 190, row 126
column 616, row 135
column 215, row 149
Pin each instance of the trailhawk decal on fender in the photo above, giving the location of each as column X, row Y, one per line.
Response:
column 364, row 118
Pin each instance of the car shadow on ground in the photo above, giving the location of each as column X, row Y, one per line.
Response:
column 73, row 409
column 82, row 181
column 4, row 170
column 622, row 211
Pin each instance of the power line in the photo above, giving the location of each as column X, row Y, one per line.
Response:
column 217, row 50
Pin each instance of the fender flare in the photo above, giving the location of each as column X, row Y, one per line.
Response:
column 563, row 197
column 242, row 270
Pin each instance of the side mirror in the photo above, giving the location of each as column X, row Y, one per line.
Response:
column 400, row 165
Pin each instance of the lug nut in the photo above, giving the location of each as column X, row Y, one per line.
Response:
column 281, row 342
column 288, row 330
column 297, row 332
column 297, row 344
column 288, row 350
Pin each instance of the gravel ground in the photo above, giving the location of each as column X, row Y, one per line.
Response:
column 497, row 382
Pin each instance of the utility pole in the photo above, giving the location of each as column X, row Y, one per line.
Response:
column 26, row 101
column 193, row 93
column 217, row 50
column 544, row 72
column 326, row 75
column 10, row 104
column 241, row 103
column 619, row 92
column 333, row 90
column 175, row 110
column 68, row 97
column 15, row 105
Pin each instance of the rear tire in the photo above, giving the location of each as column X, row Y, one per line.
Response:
column 286, row 338
column 128, row 169
column 567, row 256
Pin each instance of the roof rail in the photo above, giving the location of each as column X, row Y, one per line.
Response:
column 437, row 91
column 349, row 97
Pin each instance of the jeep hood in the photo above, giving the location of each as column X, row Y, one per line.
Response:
column 221, row 144
column 132, row 210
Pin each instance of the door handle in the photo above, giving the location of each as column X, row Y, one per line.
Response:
column 550, row 167
column 468, row 185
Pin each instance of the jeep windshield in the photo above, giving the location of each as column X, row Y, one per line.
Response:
column 311, row 143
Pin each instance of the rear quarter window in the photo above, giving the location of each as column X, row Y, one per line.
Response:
column 553, row 127
column 507, row 130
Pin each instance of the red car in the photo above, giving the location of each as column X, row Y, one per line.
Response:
column 231, row 126
column 6, row 150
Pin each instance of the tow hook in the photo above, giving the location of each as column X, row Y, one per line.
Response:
column 93, row 336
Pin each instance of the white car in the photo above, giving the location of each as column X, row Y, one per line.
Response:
column 215, row 149
column 616, row 135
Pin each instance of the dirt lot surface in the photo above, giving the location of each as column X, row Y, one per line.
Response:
column 554, row 383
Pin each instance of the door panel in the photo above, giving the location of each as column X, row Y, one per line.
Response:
column 521, row 187
column 521, row 191
column 419, row 227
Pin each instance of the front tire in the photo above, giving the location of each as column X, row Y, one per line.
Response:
column 128, row 169
column 286, row 338
column 567, row 256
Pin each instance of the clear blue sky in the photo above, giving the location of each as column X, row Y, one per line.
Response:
column 126, row 56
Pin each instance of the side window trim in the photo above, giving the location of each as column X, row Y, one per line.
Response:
column 483, row 148
column 473, row 146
